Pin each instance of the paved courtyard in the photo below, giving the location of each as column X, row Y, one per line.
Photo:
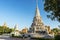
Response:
column 3, row 37
column 12, row 39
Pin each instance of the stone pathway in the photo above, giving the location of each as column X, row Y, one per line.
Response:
column 7, row 37
column 3, row 37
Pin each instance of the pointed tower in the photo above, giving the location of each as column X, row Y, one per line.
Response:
column 37, row 24
column 5, row 25
column 16, row 27
column 16, row 31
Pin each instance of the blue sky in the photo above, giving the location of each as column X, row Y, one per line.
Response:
column 21, row 12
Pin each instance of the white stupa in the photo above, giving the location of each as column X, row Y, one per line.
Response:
column 16, row 27
column 16, row 31
column 37, row 24
column 37, row 27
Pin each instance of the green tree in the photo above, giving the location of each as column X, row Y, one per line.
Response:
column 5, row 30
column 1, row 30
column 53, row 7
column 57, row 37
column 56, row 30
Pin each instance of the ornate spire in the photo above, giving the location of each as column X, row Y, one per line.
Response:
column 5, row 24
column 16, row 27
column 36, row 2
column 37, row 13
column 37, row 24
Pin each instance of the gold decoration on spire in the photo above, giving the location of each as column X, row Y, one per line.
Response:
column 4, row 24
column 37, row 2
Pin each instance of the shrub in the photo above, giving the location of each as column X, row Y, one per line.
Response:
column 57, row 37
column 41, row 39
column 16, row 36
column 1, row 33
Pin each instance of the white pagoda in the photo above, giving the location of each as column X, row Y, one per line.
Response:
column 16, row 31
column 37, row 24
column 38, row 28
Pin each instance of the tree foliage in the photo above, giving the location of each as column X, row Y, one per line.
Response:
column 57, row 37
column 56, row 30
column 5, row 30
column 53, row 7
